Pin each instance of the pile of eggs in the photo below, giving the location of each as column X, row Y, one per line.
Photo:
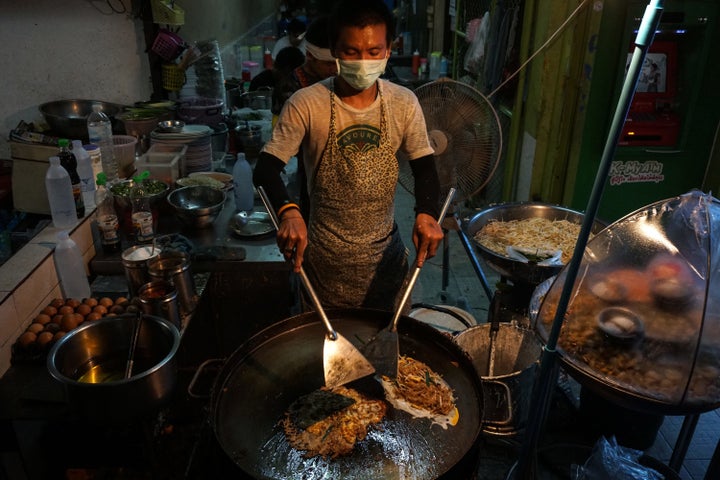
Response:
column 63, row 315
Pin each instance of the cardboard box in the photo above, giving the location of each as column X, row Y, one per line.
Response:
column 30, row 163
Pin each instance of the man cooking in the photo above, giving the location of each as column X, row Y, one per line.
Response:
column 350, row 126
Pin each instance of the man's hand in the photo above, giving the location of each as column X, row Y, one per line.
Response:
column 292, row 237
column 427, row 235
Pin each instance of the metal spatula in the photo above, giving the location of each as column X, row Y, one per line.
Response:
column 342, row 362
column 383, row 349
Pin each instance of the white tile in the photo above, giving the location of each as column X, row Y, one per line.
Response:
column 30, row 297
column 20, row 265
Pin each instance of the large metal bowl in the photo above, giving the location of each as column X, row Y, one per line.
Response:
column 68, row 118
column 517, row 271
column 121, row 193
column 197, row 206
column 90, row 363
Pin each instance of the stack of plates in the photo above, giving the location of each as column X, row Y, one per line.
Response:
column 198, row 157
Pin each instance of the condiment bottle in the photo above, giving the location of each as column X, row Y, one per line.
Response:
column 107, row 219
column 99, row 129
column 142, row 217
column 69, row 163
column 416, row 63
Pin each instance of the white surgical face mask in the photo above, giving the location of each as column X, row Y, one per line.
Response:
column 361, row 74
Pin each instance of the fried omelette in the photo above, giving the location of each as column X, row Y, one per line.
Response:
column 329, row 423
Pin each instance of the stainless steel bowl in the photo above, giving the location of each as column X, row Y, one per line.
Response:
column 68, row 118
column 198, row 205
column 90, row 363
column 529, row 273
column 170, row 126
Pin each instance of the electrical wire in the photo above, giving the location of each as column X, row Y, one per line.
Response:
column 542, row 47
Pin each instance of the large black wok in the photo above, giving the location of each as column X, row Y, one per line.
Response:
column 283, row 362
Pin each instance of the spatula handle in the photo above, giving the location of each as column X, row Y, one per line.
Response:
column 332, row 334
column 416, row 270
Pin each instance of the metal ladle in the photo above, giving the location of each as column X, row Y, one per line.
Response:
column 133, row 345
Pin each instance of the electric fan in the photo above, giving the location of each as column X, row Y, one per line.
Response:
column 465, row 132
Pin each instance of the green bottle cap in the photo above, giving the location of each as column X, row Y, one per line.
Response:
column 63, row 142
column 101, row 178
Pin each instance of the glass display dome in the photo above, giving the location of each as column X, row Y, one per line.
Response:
column 642, row 325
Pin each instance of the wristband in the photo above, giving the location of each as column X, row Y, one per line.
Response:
column 285, row 207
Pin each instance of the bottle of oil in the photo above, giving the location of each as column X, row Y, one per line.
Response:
column 69, row 163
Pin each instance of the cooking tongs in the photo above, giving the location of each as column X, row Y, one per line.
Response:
column 383, row 349
column 342, row 362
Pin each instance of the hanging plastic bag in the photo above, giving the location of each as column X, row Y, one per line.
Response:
column 475, row 55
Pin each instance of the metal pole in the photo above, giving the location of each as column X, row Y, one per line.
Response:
column 546, row 378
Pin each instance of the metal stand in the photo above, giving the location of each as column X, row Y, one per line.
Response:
column 547, row 375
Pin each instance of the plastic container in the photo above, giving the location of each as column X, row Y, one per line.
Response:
column 70, row 268
column 124, row 150
column 60, row 196
column 95, row 158
column 69, row 163
column 162, row 165
column 107, row 218
column 243, row 188
column 85, row 172
column 100, row 133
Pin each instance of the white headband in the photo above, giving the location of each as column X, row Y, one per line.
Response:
column 322, row 54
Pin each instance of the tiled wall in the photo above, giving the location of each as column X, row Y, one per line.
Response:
column 28, row 282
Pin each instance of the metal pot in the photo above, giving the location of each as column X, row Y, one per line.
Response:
column 259, row 381
column 98, row 351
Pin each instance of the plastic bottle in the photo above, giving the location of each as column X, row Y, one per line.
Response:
column 267, row 59
column 107, row 219
column 70, row 268
column 416, row 63
column 423, row 70
column 435, row 65
column 60, row 197
column 69, row 163
column 85, row 172
column 243, row 184
column 100, row 133
column 443, row 67
column 142, row 217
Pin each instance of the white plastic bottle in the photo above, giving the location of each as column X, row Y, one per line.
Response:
column 100, row 133
column 243, row 184
column 70, row 268
column 85, row 172
column 60, row 195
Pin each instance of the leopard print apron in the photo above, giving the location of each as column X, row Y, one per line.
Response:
column 355, row 256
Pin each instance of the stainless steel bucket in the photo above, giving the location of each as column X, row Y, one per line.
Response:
column 159, row 298
column 174, row 267
column 506, row 393
column 134, row 260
